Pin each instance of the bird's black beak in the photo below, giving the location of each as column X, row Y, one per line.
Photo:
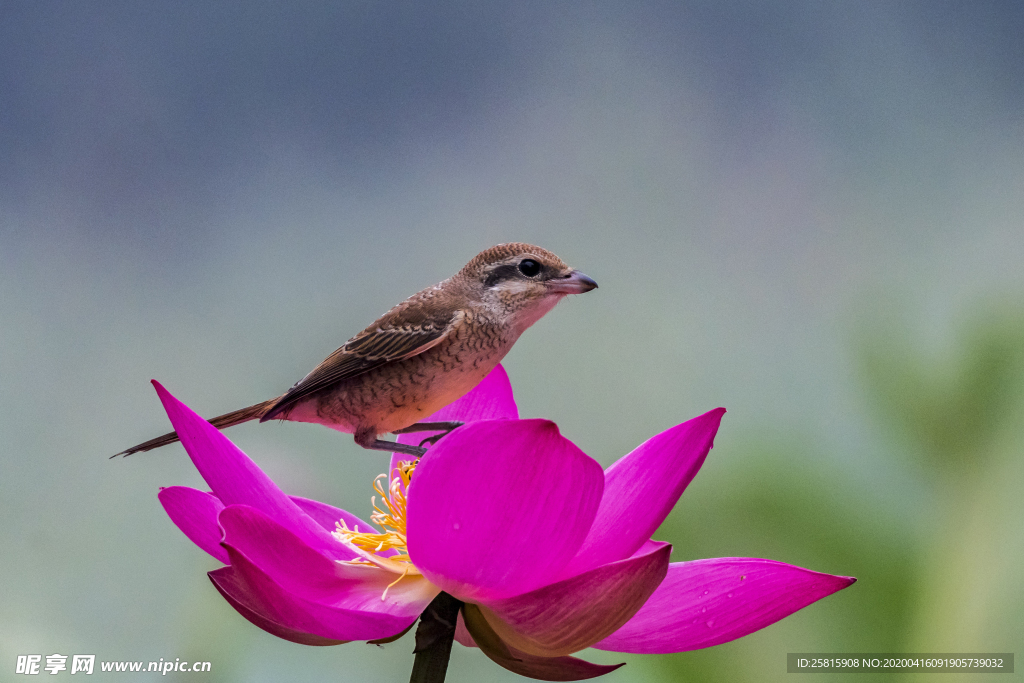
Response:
column 573, row 283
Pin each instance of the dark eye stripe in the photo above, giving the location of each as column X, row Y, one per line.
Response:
column 501, row 273
column 512, row 271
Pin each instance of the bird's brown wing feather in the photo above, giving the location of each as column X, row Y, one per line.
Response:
column 390, row 339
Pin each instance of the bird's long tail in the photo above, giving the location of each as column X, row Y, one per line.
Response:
column 220, row 422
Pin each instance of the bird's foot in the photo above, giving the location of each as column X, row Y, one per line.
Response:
column 367, row 439
column 431, row 439
column 445, row 427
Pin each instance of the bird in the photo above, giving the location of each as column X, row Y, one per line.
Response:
column 421, row 355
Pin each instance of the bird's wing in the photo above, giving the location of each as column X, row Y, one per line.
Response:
column 392, row 338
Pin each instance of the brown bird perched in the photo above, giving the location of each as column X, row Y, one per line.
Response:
column 424, row 353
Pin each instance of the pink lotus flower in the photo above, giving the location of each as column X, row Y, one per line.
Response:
column 549, row 553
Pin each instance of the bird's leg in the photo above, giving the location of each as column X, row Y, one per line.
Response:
column 368, row 439
column 444, row 427
column 429, row 427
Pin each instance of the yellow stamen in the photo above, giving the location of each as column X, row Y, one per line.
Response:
column 403, row 575
column 390, row 516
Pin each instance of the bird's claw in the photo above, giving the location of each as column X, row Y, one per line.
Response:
column 449, row 428
column 444, row 427
column 434, row 439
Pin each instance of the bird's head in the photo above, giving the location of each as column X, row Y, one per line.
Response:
column 523, row 281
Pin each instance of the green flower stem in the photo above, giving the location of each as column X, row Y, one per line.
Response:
column 434, row 637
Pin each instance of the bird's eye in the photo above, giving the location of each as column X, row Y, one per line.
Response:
column 529, row 267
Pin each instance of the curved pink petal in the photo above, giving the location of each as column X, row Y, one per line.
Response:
column 492, row 399
column 195, row 513
column 327, row 516
column 568, row 616
column 235, row 479
column 641, row 488
column 531, row 666
column 709, row 602
column 267, row 598
column 235, row 592
column 499, row 507
column 647, row 547
column 462, row 634
column 302, row 571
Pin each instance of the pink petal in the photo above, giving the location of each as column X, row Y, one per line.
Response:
column 568, row 616
column 647, row 547
column 642, row 487
column 499, row 507
column 531, row 666
column 327, row 516
column 236, row 593
column 303, row 572
column 709, row 602
column 492, row 399
column 235, row 479
column 195, row 513
column 268, row 599
column 462, row 634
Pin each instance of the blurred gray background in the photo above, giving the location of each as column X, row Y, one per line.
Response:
column 809, row 213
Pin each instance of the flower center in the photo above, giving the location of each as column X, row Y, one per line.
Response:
column 386, row 549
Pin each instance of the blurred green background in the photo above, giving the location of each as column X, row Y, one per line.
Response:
column 809, row 213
